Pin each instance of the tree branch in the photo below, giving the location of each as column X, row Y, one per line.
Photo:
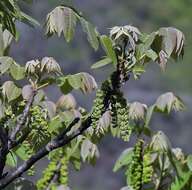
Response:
column 60, row 141
column 22, row 120
column 52, row 145
column 4, row 149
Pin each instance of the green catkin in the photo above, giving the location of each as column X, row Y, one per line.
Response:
column 137, row 166
column 48, row 174
column 63, row 176
column 119, row 113
column 147, row 168
column 58, row 166
column 98, row 108
column 8, row 116
column 29, row 151
column 39, row 126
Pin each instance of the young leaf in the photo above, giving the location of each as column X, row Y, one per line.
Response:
column 108, row 47
column 149, row 115
column 21, row 152
column 11, row 159
column 11, row 91
column 103, row 123
column 27, row 91
column 62, row 19
column 124, row 159
column 101, row 63
column 5, row 64
column 137, row 111
column 29, row 20
column 168, row 101
column 92, row 34
column 66, row 102
column 173, row 40
column 89, row 150
column 17, row 72
column 160, row 142
column 189, row 162
column 151, row 54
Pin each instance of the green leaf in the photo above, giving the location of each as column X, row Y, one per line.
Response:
column 183, row 182
column 75, row 80
column 189, row 162
column 92, row 34
column 124, row 159
column 55, row 124
column 138, row 70
column 69, row 23
column 5, row 40
column 160, row 142
column 21, row 152
column 5, row 64
column 29, row 20
column 64, row 85
column 151, row 54
column 108, row 47
column 11, row 159
column 17, row 72
column 101, row 63
column 149, row 115
column 11, row 91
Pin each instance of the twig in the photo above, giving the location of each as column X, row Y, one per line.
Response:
column 22, row 120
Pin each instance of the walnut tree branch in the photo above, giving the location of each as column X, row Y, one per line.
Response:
column 52, row 145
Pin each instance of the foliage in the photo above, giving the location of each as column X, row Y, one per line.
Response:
column 33, row 127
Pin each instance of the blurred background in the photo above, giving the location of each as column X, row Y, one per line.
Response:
column 148, row 16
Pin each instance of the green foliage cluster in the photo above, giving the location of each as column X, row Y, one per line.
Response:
column 33, row 127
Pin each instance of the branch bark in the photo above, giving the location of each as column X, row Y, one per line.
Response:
column 4, row 149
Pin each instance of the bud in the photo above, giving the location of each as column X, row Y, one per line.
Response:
column 66, row 102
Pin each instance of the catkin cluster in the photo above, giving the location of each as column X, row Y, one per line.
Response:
column 98, row 107
column 147, row 168
column 8, row 115
column 48, row 174
column 29, row 152
column 99, row 103
column 141, row 169
column 137, row 166
column 119, row 113
column 57, row 171
column 63, row 173
column 39, row 126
